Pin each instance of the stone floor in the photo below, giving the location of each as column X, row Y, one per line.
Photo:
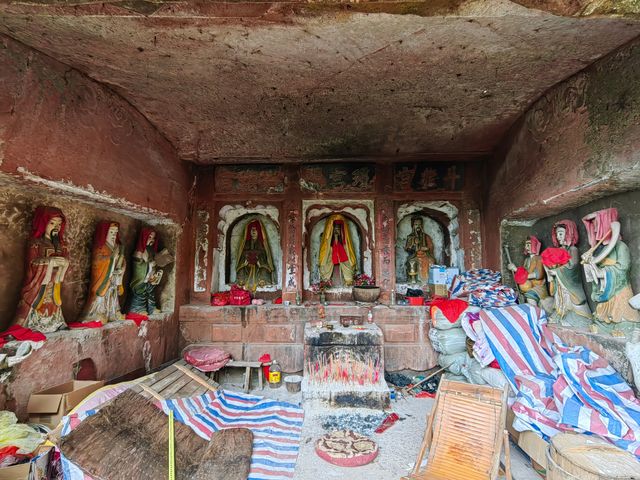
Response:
column 398, row 445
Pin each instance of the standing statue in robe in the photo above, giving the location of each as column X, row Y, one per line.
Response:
column 419, row 246
column 606, row 267
column 562, row 265
column 254, row 267
column 40, row 306
column 147, row 273
column 531, row 277
column 107, row 270
column 337, row 258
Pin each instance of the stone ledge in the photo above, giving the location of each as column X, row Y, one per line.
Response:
column 116, row 349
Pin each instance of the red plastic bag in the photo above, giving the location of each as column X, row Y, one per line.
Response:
column 387, row 422
column 239, row 296
column 220, row 299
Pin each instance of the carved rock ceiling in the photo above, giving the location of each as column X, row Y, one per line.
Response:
column 248, row 81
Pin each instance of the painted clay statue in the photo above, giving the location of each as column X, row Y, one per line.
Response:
column 565, row 277
column 40, row 306
column 147, row 273
column 606, row 267
column 419, row 246
column 337, row 258
column 533, row 285
column 107, row 270
column 254, row 267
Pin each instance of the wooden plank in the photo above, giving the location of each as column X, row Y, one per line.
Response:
column 241, row 363
column 168, row 380
column 171, row 390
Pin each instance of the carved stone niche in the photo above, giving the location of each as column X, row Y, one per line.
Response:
column 233, row 220
column 440, row 222
column 359, row 217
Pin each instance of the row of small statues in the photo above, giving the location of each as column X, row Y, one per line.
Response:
column 40, row 306
column 553, row 279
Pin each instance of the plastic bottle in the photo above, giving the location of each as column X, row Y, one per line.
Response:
column 370, row 316
column 393, row 297
column 298, row 298
column 275, row 375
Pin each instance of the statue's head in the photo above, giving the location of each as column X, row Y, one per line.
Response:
column 253, row 232
column 112, row 233
column 532, row 245
column 417, row 224
column 565, row 233
column 148, row 239
column 561, row 234
column 48, row 222
column 107, row 233
column 53, row 227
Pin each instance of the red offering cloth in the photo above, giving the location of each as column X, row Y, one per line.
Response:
column 553, row 257
column 138, row 318
column 85, row 325
column 338, row 253
column 21, row 334
column 452, row 309
column 521, row 276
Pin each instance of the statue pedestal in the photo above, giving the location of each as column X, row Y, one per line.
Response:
column 344, row 366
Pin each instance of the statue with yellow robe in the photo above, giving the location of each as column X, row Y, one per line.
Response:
column 254, row 266
column 107, row 271
column 337, row 256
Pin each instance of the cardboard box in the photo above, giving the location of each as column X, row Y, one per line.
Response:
column 440, row 290
column 49, row 406
column 36, row 469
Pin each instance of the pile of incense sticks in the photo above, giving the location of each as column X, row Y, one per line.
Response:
column 342, row 367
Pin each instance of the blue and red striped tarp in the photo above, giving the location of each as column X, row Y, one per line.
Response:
column 276, row 427
column 560, row 388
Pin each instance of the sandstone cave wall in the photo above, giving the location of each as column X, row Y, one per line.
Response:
column 69, row 142
column 577, row 143
column 628, row 205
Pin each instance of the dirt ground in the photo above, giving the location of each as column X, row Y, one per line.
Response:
column 398, row 446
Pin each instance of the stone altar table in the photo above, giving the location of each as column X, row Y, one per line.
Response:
column 344, row 366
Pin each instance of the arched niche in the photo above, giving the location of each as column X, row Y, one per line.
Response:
column 440, row 220
column 231, row 228
column 358, row 213
column 357, row 238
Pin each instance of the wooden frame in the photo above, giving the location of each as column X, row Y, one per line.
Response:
column 465, row 434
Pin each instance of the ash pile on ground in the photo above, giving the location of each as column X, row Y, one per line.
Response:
column 360, row 423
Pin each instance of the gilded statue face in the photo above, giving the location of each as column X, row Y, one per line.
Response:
column 53, row 227
column 152, row 239
column 254, row 233
column 112, row 234
column 527, row 247
column 561, row 235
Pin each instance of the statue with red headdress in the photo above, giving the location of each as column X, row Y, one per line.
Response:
column 562, row 264
column 606, row 266
column 337, row 261
column 147, row 273
column 254, row 266
column 531, row 277
column 40, row 306
column 107, row 270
